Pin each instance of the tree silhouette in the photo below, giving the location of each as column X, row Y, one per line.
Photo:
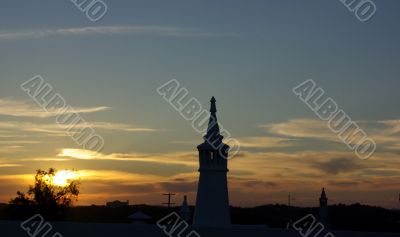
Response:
column 45, row 197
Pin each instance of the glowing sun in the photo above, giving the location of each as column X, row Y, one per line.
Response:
column 63, row 177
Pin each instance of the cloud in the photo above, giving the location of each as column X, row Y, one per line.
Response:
column 117, row 188
column 121, row 127
column 80, row 154
column 167, row 158
column 339, row 165
column 385, row 133
column 256, row 184
column 9, row 135
column 344, row 184
column 18, row 108
column 153, row 30
column 383, row 172
column 17, row 142
column 302, row 128
column 394, row 125
column 10, row 149
column 388, row 136
column 114, row 181
column 179, row 187
column 264, row 142
column 9, row 165
column 115, row 176
column 60, row 130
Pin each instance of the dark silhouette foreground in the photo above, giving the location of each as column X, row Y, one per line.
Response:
column 44, row 198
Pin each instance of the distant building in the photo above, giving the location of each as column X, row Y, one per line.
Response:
column 212, row 202
column 185, row 212
column 117, row 203
column 323, row 209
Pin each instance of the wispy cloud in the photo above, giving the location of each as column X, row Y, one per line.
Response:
column 114, row 175
column 9, row 165
column 19, row 108
column 155, row 30
column 17, row 142
column 386, row 133
column 54, row 129
column 10, row 149
column 121, row 127
column 264, row 142
column 169, row 158
column 302, row 128
column 339, row 165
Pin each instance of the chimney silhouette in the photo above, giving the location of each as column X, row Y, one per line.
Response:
column 323, row 209
column 212, row 202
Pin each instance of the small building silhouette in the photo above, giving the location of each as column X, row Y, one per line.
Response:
column 185, row 212
column 139, row 218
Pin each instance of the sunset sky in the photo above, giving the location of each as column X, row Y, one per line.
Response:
column 248, row 54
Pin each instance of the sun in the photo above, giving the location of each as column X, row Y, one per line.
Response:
column 63, row 177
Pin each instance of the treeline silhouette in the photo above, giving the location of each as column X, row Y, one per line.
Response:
column 354, row 217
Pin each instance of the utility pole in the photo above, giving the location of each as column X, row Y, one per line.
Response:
column 169, row 203
column 290, row 198
column 290, row 222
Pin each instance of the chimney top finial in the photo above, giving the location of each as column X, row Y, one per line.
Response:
column 213, row 108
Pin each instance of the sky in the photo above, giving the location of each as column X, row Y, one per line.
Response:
column 248, row 54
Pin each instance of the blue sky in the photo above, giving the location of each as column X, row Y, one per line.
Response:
column 249, row 54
